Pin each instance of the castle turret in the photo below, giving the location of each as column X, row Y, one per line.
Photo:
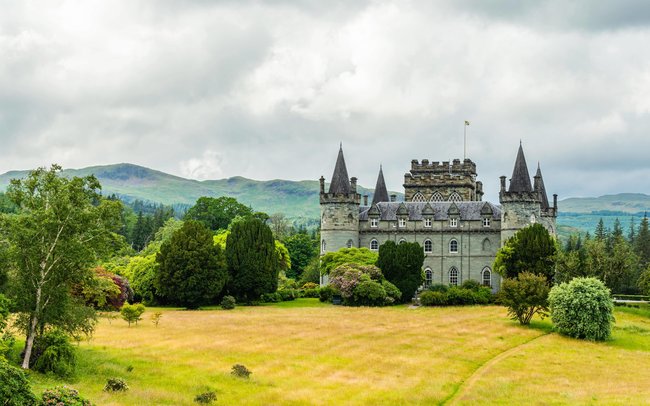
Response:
column 522, row 204
column 339, row 210
column 381, row 192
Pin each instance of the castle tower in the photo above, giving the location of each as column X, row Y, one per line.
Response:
column 339, row 210
column 381, row 192
column 522, row 204
column 442, row 181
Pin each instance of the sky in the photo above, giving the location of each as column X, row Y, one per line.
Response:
column 214, row 89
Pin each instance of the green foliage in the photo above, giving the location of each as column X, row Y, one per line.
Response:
column 326, row 293
column 144, row 271
column 217, row 213
column 132, row 313
column 531, row 249
column 433, row 298
column 54, row 353
column 642, row 243
column 644, row 281
column 465, row 295
column 155, row 318
column 228, row 302
column 62, row 227
column 393, row 294
column 361, row 256
column 582, row 308
column 362, row 285
column 282, row 255
column 192, row 270
column 438, row 287
column 240, row 371
column 15, row 389
column 252, row 260
column 311, row 273
column 369, row 293
column 525, row 296
column 64, row 396
column 206, row 397
column 401, row 264
column 302, row 250
column 471, row 284
column 116, row 385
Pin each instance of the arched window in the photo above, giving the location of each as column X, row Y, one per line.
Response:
column 455, row 197
column 453, row 246
column 428, row 277
column 349, row 244
column 428, row 246
column 436, row 197
column 374, row 245
column 453, row 276
column 487, row 277
column 323, row 246
column 402, row 241
column 350, row 218
column 487, row 245
column 533, row 219
column 418, row 197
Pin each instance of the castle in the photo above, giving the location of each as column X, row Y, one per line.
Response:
column 442, row 210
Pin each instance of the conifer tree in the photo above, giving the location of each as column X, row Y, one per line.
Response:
column 631, row 236
column 401, row 265
column 600, row 233
column 642, row 243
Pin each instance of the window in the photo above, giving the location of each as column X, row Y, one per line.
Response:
column 453, row 246
column 374, row 245
column 428, row 247
column 453, row 276
column 402, row 241
column 532, row 219
column 436, row 197
column 323, row 246
column 455, row 197
column 374, row 222
column 402, row 222
column 486, row 222
column 427, row 223
column 428, row 278
column 349, row 244
column 487, row 245
column 453, row 222
column 487, row 277
column 418, row 197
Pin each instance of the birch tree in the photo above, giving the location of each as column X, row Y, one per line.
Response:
column 59, row 231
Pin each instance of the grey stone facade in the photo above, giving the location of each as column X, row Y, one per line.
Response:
column 443, row 212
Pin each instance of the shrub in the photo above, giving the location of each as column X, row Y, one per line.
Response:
column 310, row 285
column 429, row 298
column 273, row 297
column 437, row 287
column 325, row 293
column 14, row 386
column 471, row 284
column 206, row 397
column 116, row 385
column 132, row 313
column 240, row 371
column 458, row 296
column 369, row 293
column 64, row 396
column 287, row 294
column 228, row 303
column 315, row 292
column 393, row 294
column 155, row 318
column 53, row 352
column 525, row 296
column 582, row 308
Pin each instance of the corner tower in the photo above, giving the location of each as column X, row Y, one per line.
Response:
column 339, row 208
column 522, row 204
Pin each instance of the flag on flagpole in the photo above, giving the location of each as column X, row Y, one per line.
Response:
column 466, row 122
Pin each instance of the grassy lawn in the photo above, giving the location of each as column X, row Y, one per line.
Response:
column 304, row 352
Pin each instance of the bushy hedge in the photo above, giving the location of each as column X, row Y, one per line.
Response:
column 64, row 396
column 228, row 302
column 439, row 295
column 53, row 352
column 582, row 308
column 14, row 386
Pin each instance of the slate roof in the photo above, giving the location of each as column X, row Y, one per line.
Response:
column 381, row 192
column 520, row 181
column 340, row 180
column 468, row 210
column 544, row 202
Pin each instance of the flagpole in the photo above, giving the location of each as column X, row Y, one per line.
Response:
column 465, row 140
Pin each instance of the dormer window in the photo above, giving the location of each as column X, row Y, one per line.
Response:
column 453, row 222
column 402, row 222
column 427, row 223
column 486, row 222
column 374, row 222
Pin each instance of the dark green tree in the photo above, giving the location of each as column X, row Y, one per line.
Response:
column 302, row 249
column 192, row 270
column 217, row 213
column 601, row 232
column 642, row 243
column 401, row 265
column 531, row 249
column 252, row 260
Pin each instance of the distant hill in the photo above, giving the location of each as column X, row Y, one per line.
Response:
column 298, row 200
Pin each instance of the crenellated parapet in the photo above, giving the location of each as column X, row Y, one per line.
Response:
column 442, row 181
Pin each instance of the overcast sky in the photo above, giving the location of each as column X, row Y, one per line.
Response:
column 213, row 89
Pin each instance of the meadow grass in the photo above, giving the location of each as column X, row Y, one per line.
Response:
column 303, row 352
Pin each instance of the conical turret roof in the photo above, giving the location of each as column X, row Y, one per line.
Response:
column 340, row 180
column 381, row 193
column 520, row 181
column 542, row 188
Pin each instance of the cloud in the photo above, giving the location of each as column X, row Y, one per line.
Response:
column 205, row 167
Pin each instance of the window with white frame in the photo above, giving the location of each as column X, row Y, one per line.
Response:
column 428, row 278
column 453, row 246
column 428, row 246
column 374, row 245
column 349, row 244
column 453, row 276
column 323, row 246
column 453, row 222
column 374, row 222
column 487, row 277
column 427, row 222
column 402, row 222
column 402, row 241
column 418, row 197
column 436, row 197
column 486, row 222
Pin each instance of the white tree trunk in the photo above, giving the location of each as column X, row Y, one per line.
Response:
column 32, row 331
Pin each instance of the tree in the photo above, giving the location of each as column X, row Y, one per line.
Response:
column 252, row 260
column 62, row 227
column 643, row 282
column 279, row 225
column 531, row 249
column 217, row 213
column 600, row 233
column 191, row 269
column 401, row 264
column 302, row 250
column 525, row 296
column 642, row 243
column 361, row 256
column 132, row 313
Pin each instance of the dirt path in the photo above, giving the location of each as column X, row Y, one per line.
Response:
column 468, row 383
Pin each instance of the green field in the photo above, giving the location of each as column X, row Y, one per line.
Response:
column 304, row 352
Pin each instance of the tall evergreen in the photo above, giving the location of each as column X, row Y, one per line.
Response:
column 642, row 243
column 631, row 236
column 600, row 233
column 401, row 265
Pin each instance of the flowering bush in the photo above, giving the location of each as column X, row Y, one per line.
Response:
column 64, row 396
column 362, row 285
column 116, row 385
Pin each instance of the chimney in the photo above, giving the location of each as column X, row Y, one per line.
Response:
column 353, row 185
column 536, row 180
column 555, row 202
column 322, row 185
column 365, row 200
column 503, row 183
column 393, row 197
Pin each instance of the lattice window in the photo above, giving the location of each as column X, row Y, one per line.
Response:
column 374, row 245
column 428, row 246
column 453, row 276
column 428, row 278
column 487, row 277
column 418, row 197
column 455, row 197
column 436, row 197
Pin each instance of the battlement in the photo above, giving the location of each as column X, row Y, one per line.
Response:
column 466, row 167
column 333, row 198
